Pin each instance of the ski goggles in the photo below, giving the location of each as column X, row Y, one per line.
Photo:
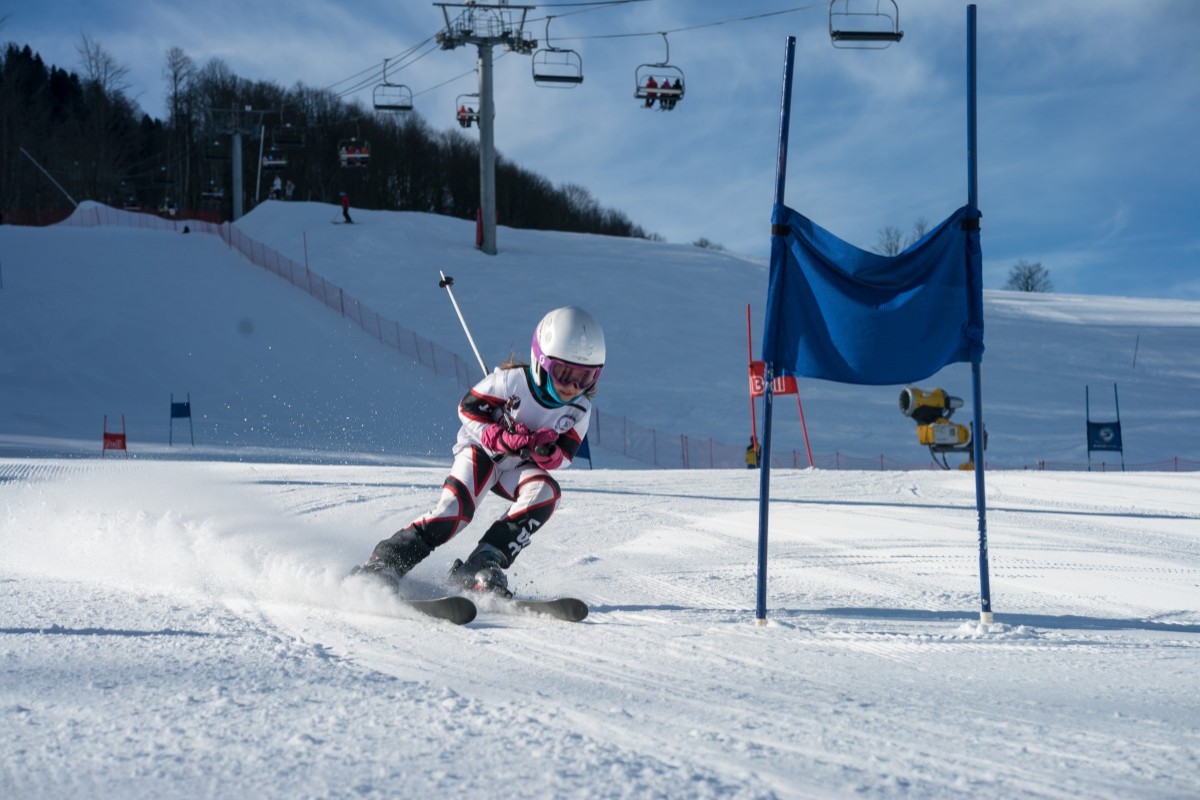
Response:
column 564, row 373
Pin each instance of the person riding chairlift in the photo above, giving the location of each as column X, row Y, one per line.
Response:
column 650, row 96
column 667, row 102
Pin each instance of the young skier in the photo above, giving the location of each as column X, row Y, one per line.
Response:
column 518, row 424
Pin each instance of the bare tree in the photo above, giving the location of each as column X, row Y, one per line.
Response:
column 1029, row 277
column 178, row 71
column 920, row 228
column 890, row 241
column 100, row 68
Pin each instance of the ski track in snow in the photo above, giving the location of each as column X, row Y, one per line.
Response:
column 184, row 629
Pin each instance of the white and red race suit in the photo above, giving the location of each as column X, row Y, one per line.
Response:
column 508, row 396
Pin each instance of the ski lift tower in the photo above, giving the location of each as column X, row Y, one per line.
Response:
column 486, row 25
column 237, row 123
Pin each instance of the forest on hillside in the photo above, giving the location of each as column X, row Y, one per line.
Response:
column 90, row 137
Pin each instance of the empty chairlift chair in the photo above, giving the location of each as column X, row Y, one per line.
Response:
column 556, row 67
column 392, row 97
column 864, row 24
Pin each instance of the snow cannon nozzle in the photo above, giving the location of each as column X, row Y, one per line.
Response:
column 926, row 406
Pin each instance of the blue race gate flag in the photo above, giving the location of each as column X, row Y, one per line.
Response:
column 843, row 314
column 1104, row 436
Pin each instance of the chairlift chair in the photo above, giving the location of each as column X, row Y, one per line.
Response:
column 354, row 153
column 662, row 82
column 392, row 97
column 556, row 67
column 864, row 24
column 466, row 111
column 287, row 137
column 274, row 158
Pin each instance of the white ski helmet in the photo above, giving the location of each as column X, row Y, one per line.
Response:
column 569, row 344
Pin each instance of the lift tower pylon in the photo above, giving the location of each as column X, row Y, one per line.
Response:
column 237, row 123
column 486, row 25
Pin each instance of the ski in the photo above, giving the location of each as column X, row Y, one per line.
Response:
column 452, row 608
column 567, row 609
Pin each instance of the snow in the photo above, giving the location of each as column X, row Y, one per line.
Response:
column 177, row 624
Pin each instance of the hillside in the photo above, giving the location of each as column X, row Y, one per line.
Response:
column 180, row 624
column 113, row 320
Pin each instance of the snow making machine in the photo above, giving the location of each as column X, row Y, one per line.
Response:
column 931, row 409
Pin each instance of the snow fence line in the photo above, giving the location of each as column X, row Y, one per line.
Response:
column 618, row 434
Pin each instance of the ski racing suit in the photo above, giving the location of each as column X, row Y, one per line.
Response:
column 507, row 396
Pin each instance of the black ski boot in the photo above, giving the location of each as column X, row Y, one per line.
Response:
column 483, row 571
column 394, row 557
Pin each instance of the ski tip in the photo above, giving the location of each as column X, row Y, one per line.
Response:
column 574, row 609
column 458, row 610
column 567, row 609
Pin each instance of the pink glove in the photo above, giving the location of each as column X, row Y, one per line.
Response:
column 496, row 437
column 548, row 456
column 541, row 438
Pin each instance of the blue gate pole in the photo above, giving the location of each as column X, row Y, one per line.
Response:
column 985, row 590
column 764, row 477
column 1117, row 403
column 1087, row 418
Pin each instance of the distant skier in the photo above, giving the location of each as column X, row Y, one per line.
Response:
column 345, row 206
column 518, row 424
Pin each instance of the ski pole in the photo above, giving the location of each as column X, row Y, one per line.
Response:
column 446, row 282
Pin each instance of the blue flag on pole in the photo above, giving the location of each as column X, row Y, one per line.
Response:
column 843, row 314
column 1104, row 436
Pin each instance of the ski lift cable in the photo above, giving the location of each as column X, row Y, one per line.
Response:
column 375, row 68
column 372, row 81
column 448, row 81
column 752, row 17
column 372, row 76
column 585, row 7
column 374, row 71
column 377, row 74
column 595, row 6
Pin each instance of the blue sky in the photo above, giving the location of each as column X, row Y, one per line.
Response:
column 1088, row 112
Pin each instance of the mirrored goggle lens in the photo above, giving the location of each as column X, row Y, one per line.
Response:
column 574, row 375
